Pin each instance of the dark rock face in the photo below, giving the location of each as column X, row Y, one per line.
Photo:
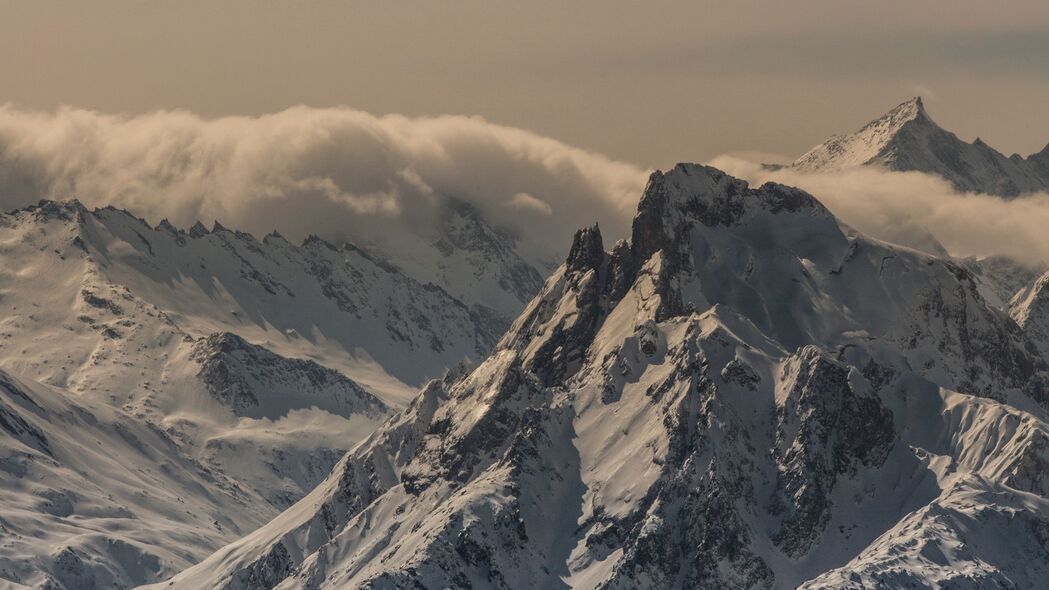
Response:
column 688, row 531
column 238, row 373
column 587, row 252
column 824, row 429
column 16, row 426
column 198, row 230
column 739, row 372
column 72, row 210
column 461, row 457
column 101, row 303
column 565, row 343
column 622, row 270
column 269, row 571
column 11, row 420
column 995, row 353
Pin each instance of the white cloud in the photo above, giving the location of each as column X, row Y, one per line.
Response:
column 525, row 202
column 897, row 206
column 343, row 173
column 333, row 172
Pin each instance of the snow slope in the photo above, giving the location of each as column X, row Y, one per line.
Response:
column 335, row 305
column 235, row 351
column 907, row 139
column 95, row 498
column 747, row 394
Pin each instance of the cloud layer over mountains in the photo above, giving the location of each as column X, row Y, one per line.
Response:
column 333, row 172
column 345, row 173
column 906, row 207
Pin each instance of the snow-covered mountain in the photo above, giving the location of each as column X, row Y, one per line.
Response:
column 93, row 497
column 337, row 305
column 471, row 259
column 907, row 139
column 747, row 394
column 255, row 365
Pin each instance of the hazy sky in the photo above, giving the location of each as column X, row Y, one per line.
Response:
column 649, row 82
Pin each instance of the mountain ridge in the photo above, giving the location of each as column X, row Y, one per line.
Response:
column 719, row 402
column 259, row 363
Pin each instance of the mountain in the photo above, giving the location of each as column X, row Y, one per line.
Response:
column 907, row 139
column 477, row 263
column 1030, row 308
column 253, row 365
column 1001, row 279
column 746, row 394
column 94, row 498
column 336, row 305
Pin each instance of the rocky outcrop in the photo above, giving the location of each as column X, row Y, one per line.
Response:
column 824, row 429
column 255, row 382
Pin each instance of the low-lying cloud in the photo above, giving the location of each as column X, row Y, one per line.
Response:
column 906, row 207
column 346, row 174
column 339, row 173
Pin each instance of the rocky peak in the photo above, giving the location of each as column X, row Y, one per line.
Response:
column 198, row 230
column 692, row 194
column 587, row 250
column 275, row 236
column 703, row 190
column 253, row 381
column 167, row 226
column 646, row 425
column 910, row 110
column 463, row 227
column 907, row 114
column 63, row 210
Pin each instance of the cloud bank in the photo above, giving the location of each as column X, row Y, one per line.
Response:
column 906, row 207
column 339, row 173
column 346, row 174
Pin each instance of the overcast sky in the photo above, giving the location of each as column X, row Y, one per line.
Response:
column 647, row 82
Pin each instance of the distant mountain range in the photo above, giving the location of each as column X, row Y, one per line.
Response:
column 907, row 139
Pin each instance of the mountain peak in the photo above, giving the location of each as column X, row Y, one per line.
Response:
column 906, row 113
column 166, row 226
column 709, row 196
column 66, row 210
column 198, row 230
column 873, row 143
column 912, row 108
column 587, row 250
column 906, row 139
